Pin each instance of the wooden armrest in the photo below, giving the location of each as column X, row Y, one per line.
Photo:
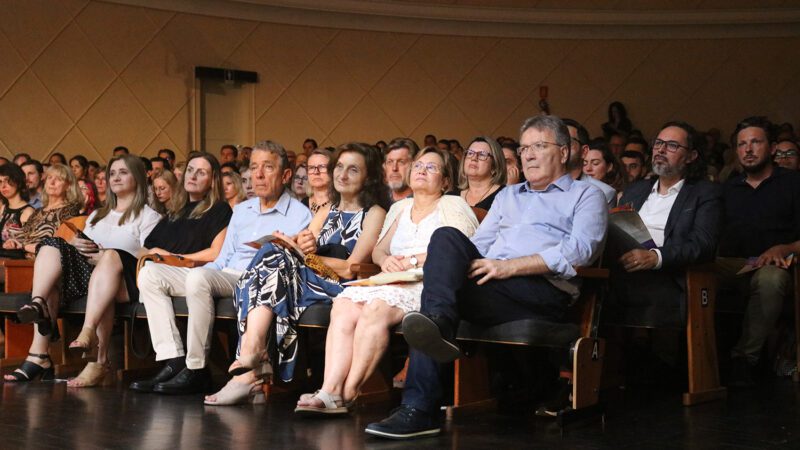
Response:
column 364, row 270
column 170, row 260
column 16, row 262
column 592, row 272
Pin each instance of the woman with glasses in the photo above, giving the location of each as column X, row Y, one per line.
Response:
column 300, row 182
column 279, row 285
column 482, row 172
column 318, row 180
column 362, row 317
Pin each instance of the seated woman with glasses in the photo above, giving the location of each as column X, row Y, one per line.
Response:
column 193, row 228
column 600, row 164
column 62, row 272
column 14, row 208
column 278, row 284
column 318, row 180
column 101, row 185
column 362, row 317
column 299, row 184
column 89, row 192
column 482, row 173
column 61, row 200
column 165, row 185
column 233, row 189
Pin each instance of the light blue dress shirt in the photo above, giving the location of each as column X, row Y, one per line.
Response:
column 249, row 223
column 565, row 224
column 36, row 201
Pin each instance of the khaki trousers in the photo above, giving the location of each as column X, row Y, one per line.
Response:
column 158, row 283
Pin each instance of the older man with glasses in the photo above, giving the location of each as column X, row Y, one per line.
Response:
column 519, row 264
column 787, row 155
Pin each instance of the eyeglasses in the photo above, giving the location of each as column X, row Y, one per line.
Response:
column 672, row 146
column 536, row 147
column 785, row 154
column 303, row 179
column 479, row 155
column 419, row 166
column 322, row 168
column 395, row 162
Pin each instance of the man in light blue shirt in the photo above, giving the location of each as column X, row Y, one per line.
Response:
column 272, row 210
column 520, row 264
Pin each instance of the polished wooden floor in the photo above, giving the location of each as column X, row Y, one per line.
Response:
column 49, row 415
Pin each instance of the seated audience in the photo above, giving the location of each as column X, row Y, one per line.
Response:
column 299, row 184
column 119, row 151
column 634, row 165
column 601, row 164
column 616, row 144
column 578, row 149
column 786, row 154
column 273, row 210
column 636, row 144
column 429, row 141
column 167, row 154
column 363, row 317
column 194, row 228
column 180, row 167
column 21, row 158
column 91, row 172
column 165, row 186
column 318, row 180
column 682, row 212
column 618, row 122
column 761, row 227
column 57, row 158
column 14, row 207
column 309, row 145
column 101, row 184
column 244, row 156
column 61, row 199
column 62, row 271
column 80, row 167
column 339, row 235
column 455, row 149
column 230, row 167
column 228, row 153
column 512, row 162
column 33, row 181
column 89, row 193
column 292, row 158
column 159, row 165
column 301, row 160
column 519, row 264
column 249, row 192
column 398, row 157
column 482, row 173
column 232, row 189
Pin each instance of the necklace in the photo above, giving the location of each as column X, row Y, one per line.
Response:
column 485, row 193
column 315, row 207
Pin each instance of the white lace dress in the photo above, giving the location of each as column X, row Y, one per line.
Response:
column 409, row 239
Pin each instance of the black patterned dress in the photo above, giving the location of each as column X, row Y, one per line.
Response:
column 280, row 281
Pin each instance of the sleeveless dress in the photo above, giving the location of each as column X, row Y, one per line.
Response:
column 11, row 223
column 409, row 239
column 280, row 281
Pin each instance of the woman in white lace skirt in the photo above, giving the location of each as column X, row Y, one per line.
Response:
column 362, row 317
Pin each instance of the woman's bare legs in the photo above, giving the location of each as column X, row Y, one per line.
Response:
column 105, row 285
column 369, row 343
column 46, row 276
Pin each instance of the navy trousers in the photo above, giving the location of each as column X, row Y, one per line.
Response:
column 450, row 295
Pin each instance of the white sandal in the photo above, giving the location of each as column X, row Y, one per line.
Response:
column 333, row 405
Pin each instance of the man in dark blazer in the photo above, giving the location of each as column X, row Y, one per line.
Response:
column 682, row 212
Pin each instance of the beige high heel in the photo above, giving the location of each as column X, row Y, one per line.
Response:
column 92, row 375
column 86, row 341
column 257, row 361
column 235, row 393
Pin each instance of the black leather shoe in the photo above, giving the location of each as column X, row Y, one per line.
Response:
column 170, row 370
column 187, row 381
column 430, row 336
column 741, row 374
column 405, row 422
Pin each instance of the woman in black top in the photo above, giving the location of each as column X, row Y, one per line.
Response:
column 14, row 207
column 194, row 228
column 482, row 173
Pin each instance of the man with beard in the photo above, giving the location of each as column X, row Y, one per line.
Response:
column 762, row 228
column 398, row 156
column 682, row 211
column 579, row 146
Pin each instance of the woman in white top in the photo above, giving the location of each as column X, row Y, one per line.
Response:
column 98, row 262
column 362, row 317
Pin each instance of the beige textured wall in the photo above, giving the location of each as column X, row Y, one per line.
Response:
column 82, row 76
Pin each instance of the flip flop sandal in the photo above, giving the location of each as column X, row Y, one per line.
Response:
column 332, row 406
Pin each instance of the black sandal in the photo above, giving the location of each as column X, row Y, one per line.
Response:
column 37, row 313
column 30, row 371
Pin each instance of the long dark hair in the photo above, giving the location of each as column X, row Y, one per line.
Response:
column 374, row 191
column 16, row 178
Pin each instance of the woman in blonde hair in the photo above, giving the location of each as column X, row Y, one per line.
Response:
column 233, row 188
column 164, row 188
column 61, row 199
column 64, row 272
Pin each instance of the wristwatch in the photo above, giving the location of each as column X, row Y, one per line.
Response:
column 414, row 261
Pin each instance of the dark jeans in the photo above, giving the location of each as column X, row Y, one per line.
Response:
column 450, row 295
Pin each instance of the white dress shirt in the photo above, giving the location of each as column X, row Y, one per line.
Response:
column 655, row 212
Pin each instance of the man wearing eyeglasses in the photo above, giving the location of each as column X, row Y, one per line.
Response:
column 787, row 155
column 520, row 264
column 397, row 164
column 761, row 229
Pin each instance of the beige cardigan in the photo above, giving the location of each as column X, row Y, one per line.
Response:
column 453, row 211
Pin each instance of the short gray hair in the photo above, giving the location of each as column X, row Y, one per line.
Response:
column 274, row 148
column 552, row 123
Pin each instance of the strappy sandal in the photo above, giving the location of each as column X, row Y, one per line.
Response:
column 235, row 393
column 333, row 405
column 38, row 313
column 30, row 371
column 257, row 361
column 91, row 375
column 86, row 341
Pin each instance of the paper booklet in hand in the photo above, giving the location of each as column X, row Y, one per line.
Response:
column 406, row 276
column 627, row 229
column 277, row 240
column 750, row 264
